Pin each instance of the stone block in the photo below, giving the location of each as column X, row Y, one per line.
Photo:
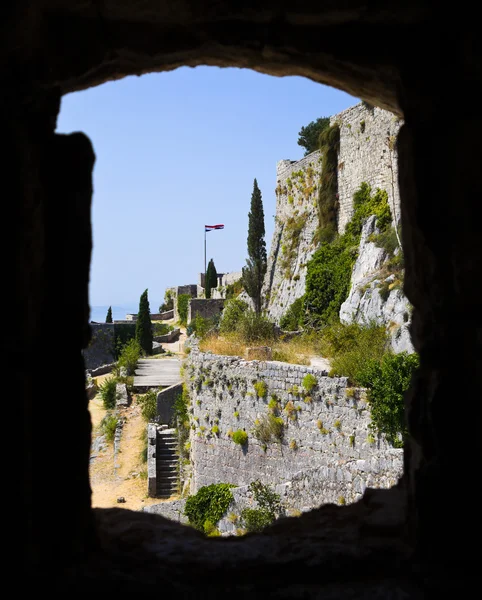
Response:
column 259, row 353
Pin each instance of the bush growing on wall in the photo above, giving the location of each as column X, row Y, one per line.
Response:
column 205, row 508
column 388, row 381
column 148, row 402
column 131, row 352
column 182, row 307
column 329, row 270
column 256, row 519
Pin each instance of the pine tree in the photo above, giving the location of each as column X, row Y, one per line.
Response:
column 144, row 325
column 254, row 272
column 108, row 318
column 211, row 278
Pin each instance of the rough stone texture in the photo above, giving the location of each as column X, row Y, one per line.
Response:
column 151, row 460
column 206, row 308
column 168, row 337
column 365, row 156
column 365, row 304
column 296, row 199
column 172, row 510
column 165, row 403
column 102, row 370
column 326, row 447
column 100, row 350
column 258, row 353
column 123, row 397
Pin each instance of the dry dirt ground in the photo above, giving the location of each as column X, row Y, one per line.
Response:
column 128, row 477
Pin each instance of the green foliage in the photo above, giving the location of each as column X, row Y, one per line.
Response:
column 329, row 143
column 182, row 307
column 366, row 204
column 261, row 389
column 123, row 333
column 309, row 382
column 168, row 303
column 253, row 273
column 328, row 280
column 144, row 325
column 108, row 318
column 129, row 356
column 148, row 402
column 161, row 328
column 351, row 346
column 255, row 520
column 201, row 326
column 181, row 405
column 232, row 313
column 211, row 279
column 388, row 381
column 309, row 135
column 386, row 239
column 107, row 391
column 209, row 504
column 234, row 289
column 269, row 428
column 254, row 327
column 108, row 426
column 292, row 320
column 240, row 437
column 329, row 270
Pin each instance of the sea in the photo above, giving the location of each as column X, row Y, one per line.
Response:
column 119, row 312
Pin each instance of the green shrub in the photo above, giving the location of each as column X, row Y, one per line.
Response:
column 269, row 427
column 161, row 328
column 261, row 389
column 255, row 328
column 182, row 307
column 107, row 391
column 232, row 312
column 386, row 239
column 292, row 320
column 129, row 356
column 201, row 326
column 309, row 382
column 148, row 402
column 234, row 289
column 366, row 204
column 254, row 520
column 208, row 504
column 240, row 437
column 123, row 333
column 388, row 381
column 108, row 426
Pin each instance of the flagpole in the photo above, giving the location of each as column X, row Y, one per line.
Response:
column 204, row 257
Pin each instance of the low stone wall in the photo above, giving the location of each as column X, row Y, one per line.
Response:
column 102, row 370
column 327, row 451
column 165, row 403
column 151, row 460
column 166, row 315
column 168, row 337
column 100, row 351
column 206, row 308
column 173, row 510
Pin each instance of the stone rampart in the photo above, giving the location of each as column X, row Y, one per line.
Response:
column 326, row 453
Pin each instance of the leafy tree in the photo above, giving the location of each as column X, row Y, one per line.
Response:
column 144, row 325
column 254, row 272
column 308, row 136
column 108, row 318
column 211, row 278
column 232, row 313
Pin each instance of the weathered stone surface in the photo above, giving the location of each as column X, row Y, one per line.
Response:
column 172, row 510
column 165, row 403
column 123, row 397
column 325, row 431
column 259, row 353
column 365, row 304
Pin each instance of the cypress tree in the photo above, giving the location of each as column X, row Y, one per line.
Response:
column 254, row 272
column 211, row 278
column 144, row 325
column 108, row 318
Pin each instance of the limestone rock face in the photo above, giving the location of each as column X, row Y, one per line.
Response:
column 365, row 304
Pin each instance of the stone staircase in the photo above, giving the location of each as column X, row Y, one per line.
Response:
column 167, row 463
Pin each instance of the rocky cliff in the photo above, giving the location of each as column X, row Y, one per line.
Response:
column 367, row 153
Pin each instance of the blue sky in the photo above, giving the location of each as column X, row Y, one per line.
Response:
column 176, row 151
